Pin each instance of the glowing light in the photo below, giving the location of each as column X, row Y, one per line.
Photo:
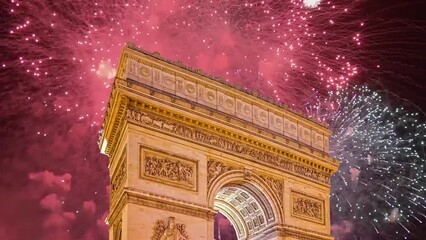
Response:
column 311, row 3
column 381, row 178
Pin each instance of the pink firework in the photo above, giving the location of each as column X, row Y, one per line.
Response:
column 59, row 60
column 282, row 49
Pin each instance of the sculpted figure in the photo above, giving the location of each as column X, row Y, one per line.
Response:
column 172, row 231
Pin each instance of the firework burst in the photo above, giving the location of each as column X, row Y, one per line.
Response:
column 59, row 58
column 379, row 188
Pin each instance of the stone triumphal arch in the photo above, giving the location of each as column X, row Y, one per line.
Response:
column 184, row 146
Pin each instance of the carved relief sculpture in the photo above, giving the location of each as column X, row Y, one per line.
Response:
column 120, row 177
column 204, row 137
column 174, row 170
column 171, row 231
column 308, row 208
column 276, row 185
column 215, row 169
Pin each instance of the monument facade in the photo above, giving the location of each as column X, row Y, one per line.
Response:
column 183, row 146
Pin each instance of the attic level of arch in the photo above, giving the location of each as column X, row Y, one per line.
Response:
column 160, row 76
column 182, row 147
column 230, row 127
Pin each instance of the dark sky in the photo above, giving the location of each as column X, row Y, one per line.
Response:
column 54, row 182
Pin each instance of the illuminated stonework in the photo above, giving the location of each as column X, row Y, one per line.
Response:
column 183, row 146
column 160, row 166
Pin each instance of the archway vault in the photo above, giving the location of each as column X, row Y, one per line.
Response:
column 245, row 198
column 183, row 146
column 247, row 213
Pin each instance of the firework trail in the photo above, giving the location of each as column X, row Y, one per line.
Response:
column 284, row 47
column 379, row 189
column 59, row 59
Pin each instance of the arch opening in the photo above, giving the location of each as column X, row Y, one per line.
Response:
column 246, row 208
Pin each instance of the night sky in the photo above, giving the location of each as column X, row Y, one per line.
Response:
column 57, row 66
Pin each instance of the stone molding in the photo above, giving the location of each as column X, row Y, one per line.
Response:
column 119, row 177
column 204, row 137
column 138, row 67
column 168, row 168
column 285, row 230
column 307, row 207
column 113, row 127
column 168, row 205
column 156, row 95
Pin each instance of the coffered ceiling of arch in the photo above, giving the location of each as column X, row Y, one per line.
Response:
column 244, row 205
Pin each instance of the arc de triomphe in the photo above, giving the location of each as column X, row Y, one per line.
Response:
column 183, row 146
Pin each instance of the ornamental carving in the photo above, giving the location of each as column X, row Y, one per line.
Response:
column 308, row 208
column 276, row 185
column 171, row 231
column 214, row 170
column 119, row 176
column 163, row 167
column 209, row 94
column 226, row 144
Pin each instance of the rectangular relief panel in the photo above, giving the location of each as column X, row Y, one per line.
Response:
column 139, row 72
column 317, row 141
column 307, row 207
column 186, row 89
column 165, row 81
column 206, row 96
column 290, row 128
column 276, row 122
column 226, row 103
column 260, row 116
column 168, row 168
column 304, row 135
column 244, row 110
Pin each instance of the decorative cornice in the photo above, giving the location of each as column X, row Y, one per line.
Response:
column 224, row 140
column 295, row 143
column 167, row 204
column 144, row 198
column 198, row 73
column 113, row 124
column 286, row 230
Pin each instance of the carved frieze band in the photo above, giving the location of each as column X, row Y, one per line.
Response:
column 226, row 144
column 230, row 103
column 276, row 185
column 169, row 231
column 171, row 206
column 307, row 207
column 167, row 168
column 119, row 176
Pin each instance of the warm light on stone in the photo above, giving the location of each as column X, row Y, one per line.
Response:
column 183, row 147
